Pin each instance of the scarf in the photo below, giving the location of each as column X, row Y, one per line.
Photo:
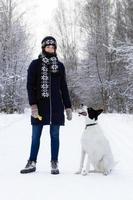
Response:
column 49, row 65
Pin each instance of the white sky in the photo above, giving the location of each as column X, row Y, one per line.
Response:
column 38, row 17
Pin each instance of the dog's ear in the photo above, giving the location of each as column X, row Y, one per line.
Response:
column 99, row 111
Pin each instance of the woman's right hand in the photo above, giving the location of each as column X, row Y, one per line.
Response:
column 34, row 111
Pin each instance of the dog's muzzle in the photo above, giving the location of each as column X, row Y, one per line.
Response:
column 83, row 113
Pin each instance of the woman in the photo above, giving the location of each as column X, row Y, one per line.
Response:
column 48, row 96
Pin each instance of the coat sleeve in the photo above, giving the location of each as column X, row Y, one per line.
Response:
column 31, row 84
column 64, row 89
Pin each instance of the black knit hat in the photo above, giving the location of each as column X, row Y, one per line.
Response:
column 49, row 40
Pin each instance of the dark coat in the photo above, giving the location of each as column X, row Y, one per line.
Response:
column 50, row 108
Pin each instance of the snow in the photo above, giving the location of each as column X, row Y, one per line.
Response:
column 15, row 138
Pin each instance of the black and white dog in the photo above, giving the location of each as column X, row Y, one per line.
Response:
column 95, row 145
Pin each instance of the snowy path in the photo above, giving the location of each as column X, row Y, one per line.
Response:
column 15, row 135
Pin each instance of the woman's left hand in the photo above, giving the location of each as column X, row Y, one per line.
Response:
column 69, row 113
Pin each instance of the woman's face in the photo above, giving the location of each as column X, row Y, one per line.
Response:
column 49, row 49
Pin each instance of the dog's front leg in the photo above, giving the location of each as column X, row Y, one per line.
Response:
column 81, row 162
column 86, row 171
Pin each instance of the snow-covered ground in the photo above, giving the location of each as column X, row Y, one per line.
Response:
column 15, row 138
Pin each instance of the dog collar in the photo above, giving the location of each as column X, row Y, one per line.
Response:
column 90, row 125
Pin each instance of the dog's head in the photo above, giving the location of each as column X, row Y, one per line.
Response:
column 90, row 113
column 93, row 114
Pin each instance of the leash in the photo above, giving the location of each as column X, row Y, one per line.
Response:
column 90, row 125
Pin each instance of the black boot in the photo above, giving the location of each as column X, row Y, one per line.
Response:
column 30, row 167
column 54, row 167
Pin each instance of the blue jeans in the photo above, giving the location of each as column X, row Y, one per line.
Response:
column 35, row 144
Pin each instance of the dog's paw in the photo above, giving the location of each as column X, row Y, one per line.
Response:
column 84, row 173
column 106, row 172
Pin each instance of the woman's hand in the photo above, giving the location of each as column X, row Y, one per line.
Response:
column 34, row 112
column 69, row 113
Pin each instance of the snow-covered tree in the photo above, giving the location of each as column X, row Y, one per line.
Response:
column 68, row 34
column 14, row 57
column 122, row 68
column 101, row 74
column 95, row 23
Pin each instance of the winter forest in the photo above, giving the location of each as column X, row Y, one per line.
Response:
column 95, row 43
